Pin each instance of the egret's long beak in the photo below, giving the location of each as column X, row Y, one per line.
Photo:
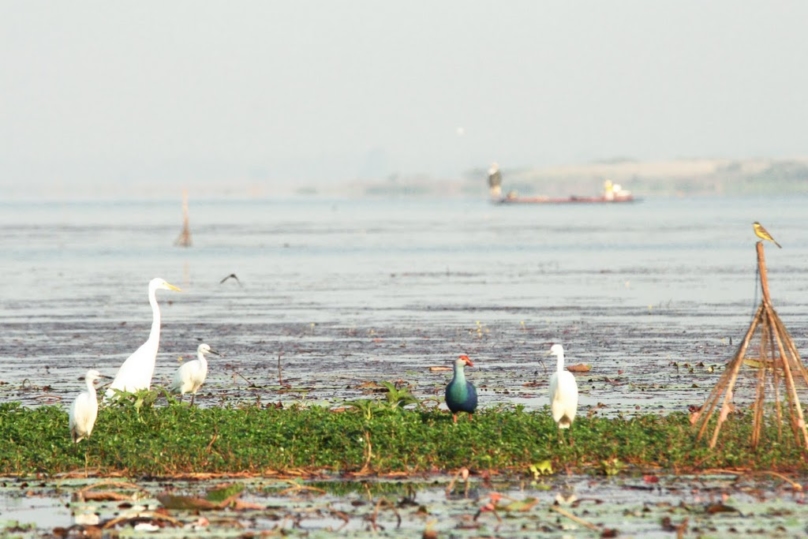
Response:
column 214, row 352
column 174, row 288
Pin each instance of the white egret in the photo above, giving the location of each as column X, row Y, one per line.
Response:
column 563, row 391
column 136, row 372
column 84, row 409
column 191, row 374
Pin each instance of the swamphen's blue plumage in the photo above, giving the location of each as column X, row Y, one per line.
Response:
column 460, row 394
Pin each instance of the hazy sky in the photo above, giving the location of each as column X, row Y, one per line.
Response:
column 303, row 90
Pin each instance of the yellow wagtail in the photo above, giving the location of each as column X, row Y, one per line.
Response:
column 761, row 233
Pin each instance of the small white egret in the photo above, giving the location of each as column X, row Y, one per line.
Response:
column 563, row 391
column 136, row 372
column 191, row 374
column 84, row 409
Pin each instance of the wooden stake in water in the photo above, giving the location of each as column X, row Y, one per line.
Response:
column 184, row 239
column 777, row 360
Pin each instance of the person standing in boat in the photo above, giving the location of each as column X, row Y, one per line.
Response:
column 495, row 182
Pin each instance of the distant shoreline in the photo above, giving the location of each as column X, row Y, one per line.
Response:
column 665, row 178
column 676, row 177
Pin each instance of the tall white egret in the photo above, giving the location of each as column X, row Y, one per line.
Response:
column 191, row 374
column 563, row 391
column 136, row 372
column 84, row 409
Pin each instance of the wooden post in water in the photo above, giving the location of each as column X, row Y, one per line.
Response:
column 777, row 360
column 184, row 239
column 764, row 277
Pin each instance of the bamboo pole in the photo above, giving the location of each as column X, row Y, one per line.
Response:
column 799, row 424
column 184, row 239
column 775, row 377
column 760, row 399
column 764, row 278
column 777, row 407
column 722, row 415
column 727, row 380
column 789, row 342
column 776, row 350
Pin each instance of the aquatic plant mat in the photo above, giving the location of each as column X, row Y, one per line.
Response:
column 371, row 467
column 484, row 505
column 367, row 436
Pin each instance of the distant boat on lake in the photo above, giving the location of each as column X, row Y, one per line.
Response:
column 612, row 192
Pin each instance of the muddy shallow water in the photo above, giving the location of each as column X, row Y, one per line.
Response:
column 560, row 506
column 653, row 296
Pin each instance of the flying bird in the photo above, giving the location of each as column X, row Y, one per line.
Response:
column 231, row 276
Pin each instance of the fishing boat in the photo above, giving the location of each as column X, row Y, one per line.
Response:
column 513, row 199
column 612, row 193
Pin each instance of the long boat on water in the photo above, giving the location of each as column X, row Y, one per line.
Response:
column 564, row 200
column 612, row 193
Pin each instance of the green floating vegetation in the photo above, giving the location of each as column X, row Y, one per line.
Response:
column 142, row 439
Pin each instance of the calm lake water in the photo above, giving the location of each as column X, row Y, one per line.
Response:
column 350, row 291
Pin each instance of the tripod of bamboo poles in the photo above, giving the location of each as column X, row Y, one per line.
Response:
column 184, row 239
column 777, row 360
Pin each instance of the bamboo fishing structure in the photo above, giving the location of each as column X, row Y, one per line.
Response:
column 777, row 361
column 184, row 239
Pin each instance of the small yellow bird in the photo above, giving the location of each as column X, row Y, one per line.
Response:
column 761, row 233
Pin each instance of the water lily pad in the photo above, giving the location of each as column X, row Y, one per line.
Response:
column 224, row 492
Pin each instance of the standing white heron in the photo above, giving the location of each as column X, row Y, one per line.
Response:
column 84, row 409
column 137, row 371
column 563, row 391
column 191, row 374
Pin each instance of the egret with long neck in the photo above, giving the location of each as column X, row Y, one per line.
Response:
column 563, row 391
column 460, row 393
column 137, row 371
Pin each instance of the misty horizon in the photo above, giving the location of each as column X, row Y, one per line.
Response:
column 318, row 93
